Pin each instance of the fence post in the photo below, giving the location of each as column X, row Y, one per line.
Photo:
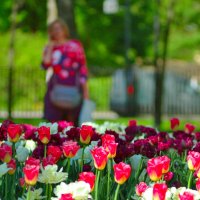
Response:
column 11, row 60
column 11, row 56
column 10, row 75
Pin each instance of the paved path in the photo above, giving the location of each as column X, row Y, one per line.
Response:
column 32, row 114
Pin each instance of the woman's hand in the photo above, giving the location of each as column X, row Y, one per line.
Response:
column 50, row 45
column 48, row 52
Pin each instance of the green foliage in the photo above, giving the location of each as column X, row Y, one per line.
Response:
column 28, row 49
column 184, row 44
column 31, row 15
column 5, row 10
column 102, row 34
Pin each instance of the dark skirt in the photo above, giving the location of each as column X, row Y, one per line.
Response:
column 53, row 113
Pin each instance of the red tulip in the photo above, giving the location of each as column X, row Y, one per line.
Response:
column 197, row 173
column 153, row 140
column 5, row 153
column 66, row 197
column 159, row 191
column 108, row 142
column 163, row 146
column 122, row 172
column 174, row 123
column 22, row 182
column 70, row 149
column 31, row 173
column 198, row 185
column 186, row 196
column 89, row 178
column 154, row 169
column 168, row 176
column 107, row 138
column 64, row 124
column 189, row 128
column 132, row 122
column 14, row 132
column 12, row 165
column 111, row 148
column 193, row 160
column 55, row 152
column 49, row 160
column 32, row 161
column 44, row 134
column 140, row 188
column 166, row 164
column 86, row 133
column 100, row 157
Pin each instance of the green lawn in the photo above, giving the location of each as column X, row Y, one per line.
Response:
column 147, row 121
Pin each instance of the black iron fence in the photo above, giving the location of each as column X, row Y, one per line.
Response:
column 28, row 89
column 181, row 90
column 181, row 96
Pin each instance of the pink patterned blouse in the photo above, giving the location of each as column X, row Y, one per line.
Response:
column 69, row 63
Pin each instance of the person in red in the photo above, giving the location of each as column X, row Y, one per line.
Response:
column 67, row 87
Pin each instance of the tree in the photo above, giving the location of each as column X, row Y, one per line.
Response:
column 161, row 57
column 52, row 11
column 15, row 8
column 67, row 13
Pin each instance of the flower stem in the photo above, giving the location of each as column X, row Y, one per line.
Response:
column 96, row 184
column 185, row 155
column 29, row 193
column 82, row 159
column 13, row 150
column 47, row 192
column 117, row 191
column 68, row 168
column 6, row 186
column 45, row 151
column 68, row 165
column 23, row 190
column 108, row 181
column 190, row 180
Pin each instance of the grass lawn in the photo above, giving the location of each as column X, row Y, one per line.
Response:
column 147, row 121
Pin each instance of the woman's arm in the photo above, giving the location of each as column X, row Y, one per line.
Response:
column 83, row 71
column 85, row 90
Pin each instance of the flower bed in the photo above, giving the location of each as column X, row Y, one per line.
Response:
column 61, row 162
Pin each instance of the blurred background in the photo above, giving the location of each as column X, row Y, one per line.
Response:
column 143, row 56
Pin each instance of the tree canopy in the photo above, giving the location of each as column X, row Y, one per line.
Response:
column 103, row 35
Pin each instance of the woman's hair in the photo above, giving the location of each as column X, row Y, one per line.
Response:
column 62, row 24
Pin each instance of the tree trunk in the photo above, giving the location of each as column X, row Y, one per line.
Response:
column 66, row 12
column 11, row 53
column 52, row 11
column 160, row 68
column 157, row 112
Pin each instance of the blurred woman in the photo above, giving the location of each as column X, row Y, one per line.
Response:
column 67, row 87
